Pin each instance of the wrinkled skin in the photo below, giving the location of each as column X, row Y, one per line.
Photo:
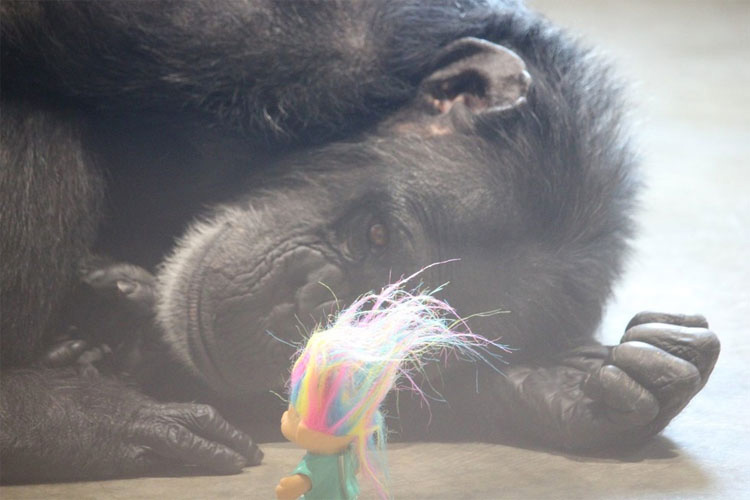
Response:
column 451, row 151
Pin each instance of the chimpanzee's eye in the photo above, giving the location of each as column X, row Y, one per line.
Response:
column 378, row 234
column 367, row 235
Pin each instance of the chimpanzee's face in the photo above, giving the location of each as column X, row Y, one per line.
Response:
column 468, row 171
column 358, row 216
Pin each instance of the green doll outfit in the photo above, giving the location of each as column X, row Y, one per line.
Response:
column 333, row 477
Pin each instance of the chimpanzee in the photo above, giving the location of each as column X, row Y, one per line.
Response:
column 297, row 152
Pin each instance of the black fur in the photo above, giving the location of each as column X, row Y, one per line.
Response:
column 49, row 193
column 268, row 67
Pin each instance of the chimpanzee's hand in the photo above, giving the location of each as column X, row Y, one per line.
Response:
column 62, row 353
column 75, row 353
column 191, row 434
column 599, row 395
column 110, row 320
column 102, row 427
column 124, row 298
column 130, row 287
column 662, row 361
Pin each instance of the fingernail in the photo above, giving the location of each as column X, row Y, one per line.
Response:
column 258, row 456
column 255, row 455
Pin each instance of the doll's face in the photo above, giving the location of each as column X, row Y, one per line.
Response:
column 290, row 421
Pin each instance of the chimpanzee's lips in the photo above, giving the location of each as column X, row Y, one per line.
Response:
column 228, row 324
column 194, row 283
column 196, row 333
column 244, row 316
column 237, row 294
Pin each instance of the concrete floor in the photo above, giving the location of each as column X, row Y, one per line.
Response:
column 691, row 64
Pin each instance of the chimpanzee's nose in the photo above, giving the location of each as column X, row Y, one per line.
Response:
column 324, row 285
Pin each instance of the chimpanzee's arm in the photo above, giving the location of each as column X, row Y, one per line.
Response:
column 55, row 423
column 261, row 66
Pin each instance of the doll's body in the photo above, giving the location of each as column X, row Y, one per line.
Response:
column 329, row 469
column 332, row 477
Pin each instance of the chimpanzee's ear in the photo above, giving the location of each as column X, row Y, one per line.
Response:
column 480, row 75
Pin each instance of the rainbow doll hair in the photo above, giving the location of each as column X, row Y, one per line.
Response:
column 342, row 375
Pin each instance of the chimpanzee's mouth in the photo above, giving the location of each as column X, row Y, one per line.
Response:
column 238, row 338
column 197, row 333
column 240, row 320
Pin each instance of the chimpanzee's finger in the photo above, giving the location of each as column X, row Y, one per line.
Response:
column 124, row 280
column 175, row 441
column 698, row 346
column 63, row 354
column 628, row 403
column 666, row 376
column 691, row 320
column 208, row 423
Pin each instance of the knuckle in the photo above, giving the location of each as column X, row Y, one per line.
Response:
column 684, row 377
column 699, row 346
column 698, row 320
column 657, row 334
column 609, row 374
column 688, row 320
column 153, row 412
column 644, row 315
column 710, row 341
column 640, row 331
column 691, row 375
column 630, row 349
column 136, row 460
column 176, row 435
column 206, row 411
column 203, row 414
